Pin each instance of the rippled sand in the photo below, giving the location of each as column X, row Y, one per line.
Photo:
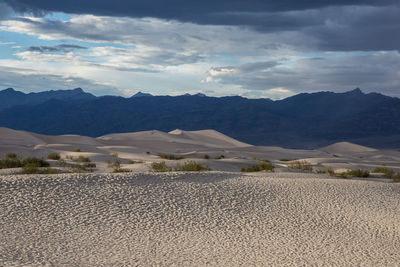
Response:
column 198, row 219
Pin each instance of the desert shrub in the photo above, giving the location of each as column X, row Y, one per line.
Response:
column 353, row 173
column 160, row 167
column 10, row 163
column 329, row 171
column 300, row 165
column 286, row 159
column 206, row 156
column 264, row 160
column 82, row 159
column 396, row 178
column 34, row 168
column 147, row 152
column 259, row 167
column 220, row 157
column 62, row 163
column 191, row 166
column 358, row 173
column 77, row 150
column 38, row 162
column 170, row 156
column 11, row 156
column 131, row 162
column 54, row 156
column 385, row 170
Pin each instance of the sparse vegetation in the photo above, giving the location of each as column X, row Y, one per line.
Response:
column 160, row 167
column 86, row 166
column 77, row 150
column 36, row 161
column 188, row 166
column 389, row 173
column 131, row 162
column 264, row 166
column 10, row 163
column 220, row 157
column 191, row 166
column 286, row 159
column 396, row 178
column 358, row 173
column 206, row 156
column 81, row 159
column 300, row 165
column 353, row 173
column 170, row 156
column 33, row 168
column 329, row 171
column 54, row 156
column 116, row 164
column 11, row 156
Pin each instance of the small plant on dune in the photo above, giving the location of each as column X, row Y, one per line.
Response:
column 259, row 167
column 10, row 163
column 160, row 167
column 62, row 162
column 116, row 165
column 147, row 152
column 329, row 171
column 220, row 157
column 191, row 166
column 130, row 161
column 358, row 173
column 396, row 178
column 38, row 162
column 206, row 156
column 35, row 168
column 300, row 165
column 11, row 156
column 54, row 156
column 82, row 159
column 353, row 173
column 77, row 150
column 286, row 159
column 170, row 156
column 385, row 170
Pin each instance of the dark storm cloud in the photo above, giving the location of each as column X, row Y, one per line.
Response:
column 59, row 48
column 225, row 12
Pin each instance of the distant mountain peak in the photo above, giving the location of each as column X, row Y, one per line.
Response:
column 9, row 90
column 140, row 94
column 356, row 91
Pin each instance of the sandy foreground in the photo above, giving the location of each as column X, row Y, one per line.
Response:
column 198, row 219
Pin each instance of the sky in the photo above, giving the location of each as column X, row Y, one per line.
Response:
column 254, row 48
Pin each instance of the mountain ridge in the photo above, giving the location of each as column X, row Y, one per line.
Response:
column 306, row 120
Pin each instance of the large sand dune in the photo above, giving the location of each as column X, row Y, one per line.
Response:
column 207, row 219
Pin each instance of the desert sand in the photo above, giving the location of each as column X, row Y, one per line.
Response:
column 215, row 218
column 142, row 149
column 198, row 219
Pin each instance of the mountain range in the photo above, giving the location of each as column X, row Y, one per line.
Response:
column 306, row 120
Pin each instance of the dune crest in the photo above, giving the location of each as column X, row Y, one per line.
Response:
column 346, row 147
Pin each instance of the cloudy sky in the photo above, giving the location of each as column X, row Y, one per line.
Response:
column 253, row 48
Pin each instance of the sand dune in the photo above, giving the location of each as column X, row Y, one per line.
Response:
column 346, row 148
column 224, row 153
column 207, row 219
